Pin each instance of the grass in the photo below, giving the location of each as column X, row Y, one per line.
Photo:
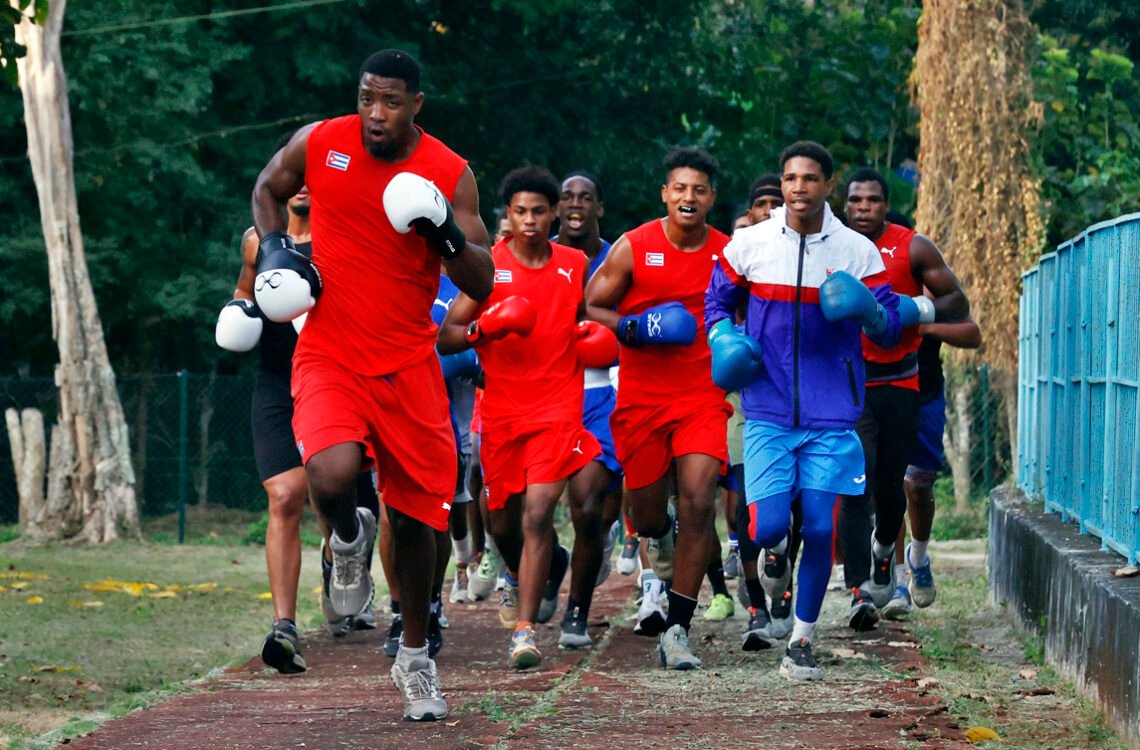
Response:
column 988, row 672
column 74, row 650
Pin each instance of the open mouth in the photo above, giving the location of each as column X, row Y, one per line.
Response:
column 687, row 210
column 575, row 220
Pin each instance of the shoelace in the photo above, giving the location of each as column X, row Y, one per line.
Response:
column 422, row 683
column 347, row 571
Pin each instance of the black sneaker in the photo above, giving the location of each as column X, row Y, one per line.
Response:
column 282, row 649
column 558, row 566
column 881, row 586
column 759, row 634
column 799, row 663
column 574, row 633
column 434, row 635
column 392, row 640
column 864, row 614
column 776, row 573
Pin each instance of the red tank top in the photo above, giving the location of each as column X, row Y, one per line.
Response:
column 658, row 375
column 894, row 247
column 536, row 378
column 374, row 314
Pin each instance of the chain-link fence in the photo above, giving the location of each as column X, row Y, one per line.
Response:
column 190, row 437
column 191, row 441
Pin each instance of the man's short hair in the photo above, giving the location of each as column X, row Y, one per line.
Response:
column 692, row 158
column 586, row 175
column 393, row 63
column 810, row 150
column 867, row 174
column 530, row 179
column 765, row 184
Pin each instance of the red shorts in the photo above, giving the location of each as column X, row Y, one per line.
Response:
column 477, row 413
column 401, row 419
column 648, row 438
column 534, row 454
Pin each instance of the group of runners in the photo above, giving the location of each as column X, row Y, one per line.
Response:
column 425, row 386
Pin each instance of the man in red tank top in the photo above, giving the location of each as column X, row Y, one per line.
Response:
column 389, row 204
column 530, row 345
column 889, row 425
column 668, row 408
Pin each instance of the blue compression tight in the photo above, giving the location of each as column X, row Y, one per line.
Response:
column 770, row 518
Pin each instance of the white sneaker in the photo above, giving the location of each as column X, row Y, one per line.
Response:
column 458, row 593
column 481, row 582
column 651, row 613
column 350, row 586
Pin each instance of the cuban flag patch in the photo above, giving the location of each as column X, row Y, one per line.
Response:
column 503, row 277
column 655, row 259
column 337, row 160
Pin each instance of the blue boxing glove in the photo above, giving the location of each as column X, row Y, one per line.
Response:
column 915, row 310
column 670, row 323
column 461, row 364
column 844, row 297
column 735, row 356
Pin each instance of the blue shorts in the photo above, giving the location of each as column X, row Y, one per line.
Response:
column 780, row 459
column 598, row 405
column 730, row 479
column 927, row 453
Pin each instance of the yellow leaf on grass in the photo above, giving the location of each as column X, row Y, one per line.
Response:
column 84, row 604
column 204, row 586
column 981, row 734
column 35, row 600
column 266, row 595
column 164, row 595
column 2, row 589
column 125, row 587
column 18, row 586
column 25, row 576
column 56, row 668
column 175, row 587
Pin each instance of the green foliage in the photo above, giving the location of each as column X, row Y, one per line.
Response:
column 255, row 532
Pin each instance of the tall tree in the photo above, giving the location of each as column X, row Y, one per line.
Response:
column 90, row 493
column 980, row 200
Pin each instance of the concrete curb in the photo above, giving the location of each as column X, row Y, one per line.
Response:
column 1059, row 585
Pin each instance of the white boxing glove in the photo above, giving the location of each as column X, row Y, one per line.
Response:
column 299, row 322
column 287, row 283
column 413, row 202
column 239, row 326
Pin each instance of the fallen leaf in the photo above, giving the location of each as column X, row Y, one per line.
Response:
column 84, row 604
column 1028, row 674
column 167, row 594
column 902, row 644
column 1126, row 572
column 453, row 723
column 25, row 576
column 55, row 668
column 847, row 653
column 266, row 595
column 204, row 586
column 981, row 734
column 35, row 600
column 18, row 586
column 926, row 682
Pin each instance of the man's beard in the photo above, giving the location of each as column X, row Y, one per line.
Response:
column 301, row 211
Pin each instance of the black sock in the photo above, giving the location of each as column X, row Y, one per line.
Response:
column 285, row 623
column 571, row 605
column 715, row 572
column 755, row 593
column 681, row 610
column 395, row 607
column 667, row 528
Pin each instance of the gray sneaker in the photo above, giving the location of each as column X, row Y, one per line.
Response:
column 607, row 553
column 282, row 648
column 732, row 566
column 418, row 683
column 338, row 625
column 799, row 663
column 350, row 586
column 660, row 551
column 673, row 650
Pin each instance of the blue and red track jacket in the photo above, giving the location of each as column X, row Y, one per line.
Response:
column 813, row 369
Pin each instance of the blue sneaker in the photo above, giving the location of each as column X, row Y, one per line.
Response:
column 899, row 605
column 922, row 588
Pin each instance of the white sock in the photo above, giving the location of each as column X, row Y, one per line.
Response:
column 780, row 548
column 463, row 550
column 900, row 572
column 407, row 656
column 879, row 550
column 802, row 631
column 918, row 554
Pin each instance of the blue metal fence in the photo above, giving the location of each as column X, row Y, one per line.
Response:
column 1079, row 383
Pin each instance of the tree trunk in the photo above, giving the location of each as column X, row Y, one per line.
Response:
column 91, row 493
column 205, row 451
column 957, row 437
column 29, row 455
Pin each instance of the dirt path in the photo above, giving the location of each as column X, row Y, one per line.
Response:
column 872, row 698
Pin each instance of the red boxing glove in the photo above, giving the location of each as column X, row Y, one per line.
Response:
column 512, row 315
column 597, row 346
